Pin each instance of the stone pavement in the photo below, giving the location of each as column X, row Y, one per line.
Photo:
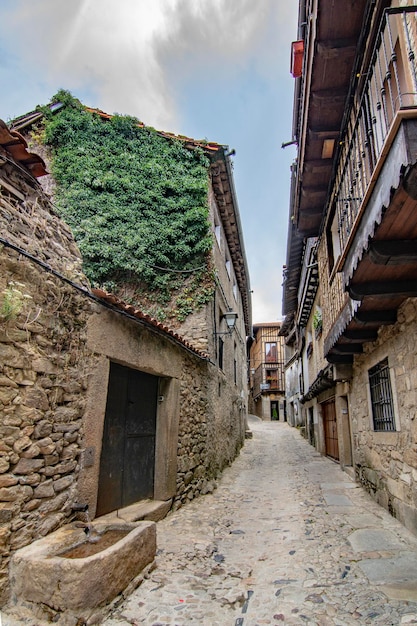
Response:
column 287, row 538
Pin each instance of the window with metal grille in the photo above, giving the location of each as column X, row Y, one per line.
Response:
column 381, row 397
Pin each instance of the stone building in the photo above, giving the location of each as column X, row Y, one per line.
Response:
column 266, row 372
column 72, row 355
column 350, row 281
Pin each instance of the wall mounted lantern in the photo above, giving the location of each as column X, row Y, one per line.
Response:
column 230, row 317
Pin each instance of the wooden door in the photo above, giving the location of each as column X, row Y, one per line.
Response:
column 127, row 461
column 330, row 429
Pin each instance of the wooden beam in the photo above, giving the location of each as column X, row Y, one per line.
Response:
column 12, row 189
column 323, row 133
column 311, row 211
column 361, row 334
column 380, row 318
column 339, row 358
column 347, row 348
column 393, row 252
column 317, row 166
column 314, row 193
column 336, row 48
column 406, row 288
column 327, row 97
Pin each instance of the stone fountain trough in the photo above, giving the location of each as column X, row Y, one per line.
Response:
column 66, row 571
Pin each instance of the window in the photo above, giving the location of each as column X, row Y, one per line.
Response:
column 271, row 352
column 272, row 378
column 235, row 365
column 333, row 239
column 221, row 347
column 217, row 232
column 228, row 267
column 381, row 397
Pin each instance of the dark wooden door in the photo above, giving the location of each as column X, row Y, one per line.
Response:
column 127, row 461
column 330, row 429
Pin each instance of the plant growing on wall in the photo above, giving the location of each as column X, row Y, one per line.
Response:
column 137, row 203
column 13, row 301
column 317, row 321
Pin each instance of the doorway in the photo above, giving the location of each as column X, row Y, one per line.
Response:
column 274, row 410
column 127, row 464
column 330, row 429
column 311, row 436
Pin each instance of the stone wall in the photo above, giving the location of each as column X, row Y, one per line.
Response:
column 194, row 474
column 55, row 349
column 43, row 368
column 195, row 329
column 386, row 462
column 198, row 432
column 332, row 293
column 211, row 429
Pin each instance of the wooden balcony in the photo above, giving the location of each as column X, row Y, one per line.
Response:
column 331, row 36
column 372, row 230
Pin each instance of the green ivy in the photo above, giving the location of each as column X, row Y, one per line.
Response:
column 136, row 202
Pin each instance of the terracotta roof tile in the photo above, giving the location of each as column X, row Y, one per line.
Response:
column 118, row 304
column 189, row 141
column 15, row 145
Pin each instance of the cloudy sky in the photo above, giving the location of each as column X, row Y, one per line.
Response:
column 208, row 69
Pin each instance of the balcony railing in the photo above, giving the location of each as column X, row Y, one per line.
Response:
column 388, row 94
column 268, row 377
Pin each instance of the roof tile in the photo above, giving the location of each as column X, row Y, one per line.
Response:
column 15, row 145
column 118, row 304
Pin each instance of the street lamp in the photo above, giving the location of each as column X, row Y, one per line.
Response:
column 230, row 317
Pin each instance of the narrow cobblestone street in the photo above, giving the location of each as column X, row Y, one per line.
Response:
column 287, row 538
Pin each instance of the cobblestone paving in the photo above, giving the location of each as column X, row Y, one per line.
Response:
column 271, row 546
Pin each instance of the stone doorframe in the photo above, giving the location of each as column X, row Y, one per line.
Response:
column 136, row 348
column 343, row 425
column 340, row 392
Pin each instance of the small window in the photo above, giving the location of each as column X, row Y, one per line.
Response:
column 272, row 378
column 381, row 397
column 333, row 240
column 235, row 365
column 271, row 352
column 217, row 232
column 228, row 267
column 235, row 290
column 221, row 351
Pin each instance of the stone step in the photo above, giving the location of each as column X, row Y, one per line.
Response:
column 152, row 510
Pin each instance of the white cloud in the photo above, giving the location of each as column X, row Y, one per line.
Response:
column 130, row 53
column 106, row 47
column 213, row 30
column 149, row 58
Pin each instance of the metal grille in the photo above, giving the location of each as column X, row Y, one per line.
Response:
column 381, row 397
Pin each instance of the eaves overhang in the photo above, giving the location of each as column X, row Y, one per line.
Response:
column 324, row 380
column 292, row 269
column 380, row 271
column 226, row 200
column 331, row 40
column 309, row 282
